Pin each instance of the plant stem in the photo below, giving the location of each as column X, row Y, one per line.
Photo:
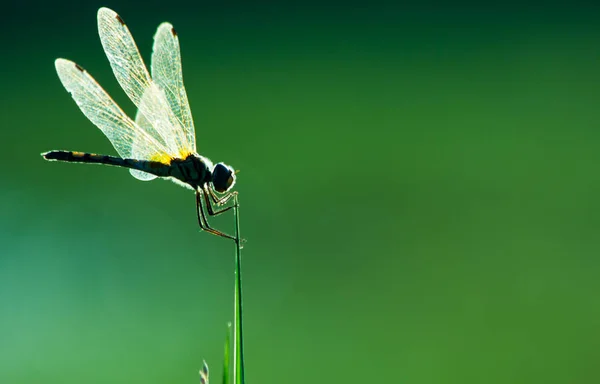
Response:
column 238, row 339
column 226, row 355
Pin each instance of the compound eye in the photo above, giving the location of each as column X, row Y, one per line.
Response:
column 223, row 177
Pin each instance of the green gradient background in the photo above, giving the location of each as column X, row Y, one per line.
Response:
column 420, row 191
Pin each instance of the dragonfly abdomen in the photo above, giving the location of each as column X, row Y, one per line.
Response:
column 153, row 167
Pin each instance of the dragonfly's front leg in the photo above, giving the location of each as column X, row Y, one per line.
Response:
column 209, row 206
column 202, row 217
column 219, row 200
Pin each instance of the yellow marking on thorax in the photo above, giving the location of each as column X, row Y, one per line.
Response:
column 183, row 154
column 161, row 158
column 78, row 154
column 166, row 159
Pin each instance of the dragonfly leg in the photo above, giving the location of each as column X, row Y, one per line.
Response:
column 202, row 219
column 200, row 213
column 220, row 200
column 209, row 206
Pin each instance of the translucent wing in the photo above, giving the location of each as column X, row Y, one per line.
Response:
column 167, row 73
column 139, row 150
column 101, row 110
column 157, row 118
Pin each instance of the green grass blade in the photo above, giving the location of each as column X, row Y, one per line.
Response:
column 238, row 339
column 226, row 357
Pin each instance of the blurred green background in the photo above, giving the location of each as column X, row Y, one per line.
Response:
column 419, row 192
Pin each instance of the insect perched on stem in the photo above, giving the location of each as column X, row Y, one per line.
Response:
column 161, row 142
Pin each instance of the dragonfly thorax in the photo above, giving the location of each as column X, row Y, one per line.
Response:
column 196, row 171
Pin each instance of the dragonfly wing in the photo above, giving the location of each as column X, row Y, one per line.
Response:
column 167, row 73
column 131, row 73
column 141, row 175
column 101, row 110
column 139, row 150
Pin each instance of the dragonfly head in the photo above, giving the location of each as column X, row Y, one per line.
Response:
column 223, row 177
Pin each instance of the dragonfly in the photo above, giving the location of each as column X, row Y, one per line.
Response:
column 161, row 141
